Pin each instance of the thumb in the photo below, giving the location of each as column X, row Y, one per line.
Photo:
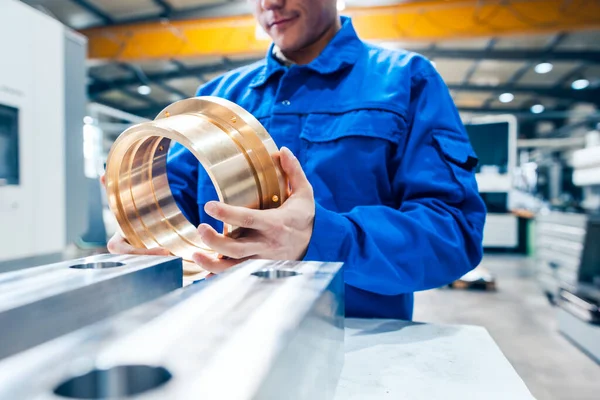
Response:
column 292, row 168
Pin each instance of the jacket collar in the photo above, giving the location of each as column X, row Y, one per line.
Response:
column 339, row 53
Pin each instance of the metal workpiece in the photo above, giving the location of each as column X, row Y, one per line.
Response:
column 231, row 145
column 262, row 330
column 42, row 303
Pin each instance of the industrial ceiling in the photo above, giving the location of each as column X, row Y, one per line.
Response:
column 535, row 58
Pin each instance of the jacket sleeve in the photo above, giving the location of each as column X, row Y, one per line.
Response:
column 435, row 234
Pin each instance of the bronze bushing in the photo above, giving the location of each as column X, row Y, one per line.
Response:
column 233, row 147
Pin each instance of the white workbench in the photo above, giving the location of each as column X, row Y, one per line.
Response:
column 387, row 359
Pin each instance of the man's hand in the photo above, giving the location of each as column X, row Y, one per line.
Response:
column 118, row 245
column 277, row 234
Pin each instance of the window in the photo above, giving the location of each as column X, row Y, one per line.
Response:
column 9, row 145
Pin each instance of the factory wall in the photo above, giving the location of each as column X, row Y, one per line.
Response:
column 33, row 80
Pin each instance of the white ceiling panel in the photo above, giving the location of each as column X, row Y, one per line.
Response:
column 187, row 85
column 479, row 43
column 549, row 102
column 452, row 70
column 109, row 72
column 520, row 100
column 191, row 62
column 157, row 93
column 411, row 46
column 586, row 40
column 119, row 98
column 194, row 3
column 592, row 73
column 491, row 72
column 523, row 42
column 67, row 12
column 471, row 99
column 120, row 9
column 154, row 66
column 245, row 57
column 559, row 71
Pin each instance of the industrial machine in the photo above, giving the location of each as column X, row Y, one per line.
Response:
column 261, row 330
column 494, row 139
column 42, row 105
column 579, row 303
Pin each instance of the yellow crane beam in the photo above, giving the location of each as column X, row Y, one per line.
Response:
column 410, row 21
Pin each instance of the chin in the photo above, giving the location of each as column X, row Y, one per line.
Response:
column 288, row 46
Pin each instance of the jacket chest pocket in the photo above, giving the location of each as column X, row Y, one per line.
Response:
column 349, row 157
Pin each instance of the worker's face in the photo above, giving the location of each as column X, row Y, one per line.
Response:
column 295, row 24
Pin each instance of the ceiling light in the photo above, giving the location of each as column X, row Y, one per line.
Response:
column 144, row 90
column 506, row 97
column 543, row 68
column 580, row 84
column 341, row 5
column 537, row 108
column 88, row 120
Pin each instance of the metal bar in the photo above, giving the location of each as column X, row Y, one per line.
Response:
column 515, row 55
column 42, row 303
column 406, row 21
column 556, row 143
column 100, row 86
column 262, row 330
column 166, row 7
column 586, row 95
column 85, row 4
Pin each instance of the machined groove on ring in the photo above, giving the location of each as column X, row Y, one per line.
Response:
column 237, row 159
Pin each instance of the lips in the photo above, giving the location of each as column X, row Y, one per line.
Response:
column 282, row 21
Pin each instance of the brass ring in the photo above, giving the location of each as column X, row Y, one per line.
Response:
column 233, row 147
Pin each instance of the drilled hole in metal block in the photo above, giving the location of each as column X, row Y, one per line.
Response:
column 98, row 265
column 275, row 273
column 113, row 383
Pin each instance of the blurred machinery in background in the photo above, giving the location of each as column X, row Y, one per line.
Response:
column 568, row 246
column 42, row 105
column 494, row 140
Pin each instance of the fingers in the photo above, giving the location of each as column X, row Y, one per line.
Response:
column 237, row 216
column 292, row 168
column 118, row 245
column 233, row 248
column 212, row 263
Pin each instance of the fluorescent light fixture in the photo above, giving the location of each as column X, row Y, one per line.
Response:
column 506, row 97
column 88, row 120
column 341, row 5
column 580, row 84
column 543, row 68
column 537, row 108
column 144, row 90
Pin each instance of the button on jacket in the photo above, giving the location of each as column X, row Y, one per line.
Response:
column 382, row 144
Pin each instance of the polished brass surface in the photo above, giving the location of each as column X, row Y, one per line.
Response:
column 233, row 147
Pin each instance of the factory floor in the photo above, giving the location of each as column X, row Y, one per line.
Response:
column 522, row 322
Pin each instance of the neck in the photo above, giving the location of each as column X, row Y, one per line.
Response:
column 306, row 54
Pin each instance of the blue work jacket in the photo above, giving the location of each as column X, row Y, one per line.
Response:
column 382, row 144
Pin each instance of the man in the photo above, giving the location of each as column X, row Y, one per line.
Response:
column 380, row 167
